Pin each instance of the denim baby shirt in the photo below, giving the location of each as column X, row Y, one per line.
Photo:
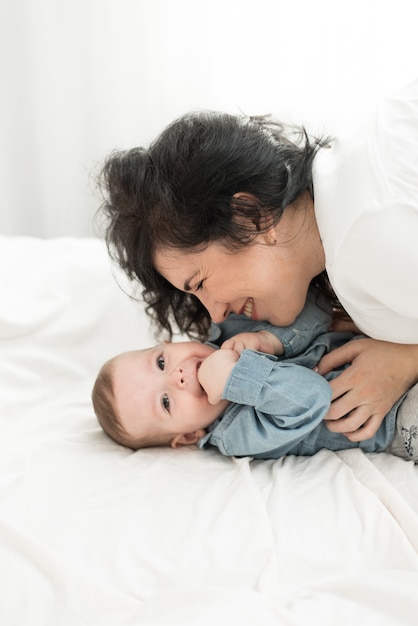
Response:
column 277, row 408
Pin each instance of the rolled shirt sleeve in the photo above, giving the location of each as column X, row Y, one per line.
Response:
column 274, row 409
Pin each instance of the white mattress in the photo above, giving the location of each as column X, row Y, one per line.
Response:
column 94, row 534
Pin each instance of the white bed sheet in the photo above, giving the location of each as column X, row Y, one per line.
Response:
column 94, row 534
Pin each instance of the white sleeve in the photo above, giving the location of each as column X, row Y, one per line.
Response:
column 379, row 268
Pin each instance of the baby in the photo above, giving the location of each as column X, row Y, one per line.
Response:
column 257, row 395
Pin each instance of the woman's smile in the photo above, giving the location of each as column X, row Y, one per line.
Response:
column 248, row 307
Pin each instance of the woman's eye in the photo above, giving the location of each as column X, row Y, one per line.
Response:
column 166, row 402
column 161, row 362
column 199, row 285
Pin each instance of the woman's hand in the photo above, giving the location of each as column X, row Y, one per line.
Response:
column 379, row 374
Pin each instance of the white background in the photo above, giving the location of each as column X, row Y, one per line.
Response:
column 80, row 78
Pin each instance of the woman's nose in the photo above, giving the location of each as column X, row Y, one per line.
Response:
column 218, row 311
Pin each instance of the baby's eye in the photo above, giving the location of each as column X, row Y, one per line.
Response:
column 166, row 402
column 161, row 362
column 199, row 285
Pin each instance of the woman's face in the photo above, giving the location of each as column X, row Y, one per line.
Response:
column 267, row 280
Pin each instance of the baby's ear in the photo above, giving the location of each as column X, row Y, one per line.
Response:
column 188, row 439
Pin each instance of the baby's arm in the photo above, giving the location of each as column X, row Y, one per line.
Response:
column 216, row 368
column 277, row 406
column 260, row 341
column 214, row 372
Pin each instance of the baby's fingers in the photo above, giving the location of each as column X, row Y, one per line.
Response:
column 235, row 344
column 229, row 344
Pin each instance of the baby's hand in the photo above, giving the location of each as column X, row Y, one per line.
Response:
column 214, row 371
column 261, row 340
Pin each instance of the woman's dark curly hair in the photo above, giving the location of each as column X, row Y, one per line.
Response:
column 179, row 192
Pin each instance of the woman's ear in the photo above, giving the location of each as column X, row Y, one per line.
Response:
column 188, row 439
column 260, row 218
column 247, row 197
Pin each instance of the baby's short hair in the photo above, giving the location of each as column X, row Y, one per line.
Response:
column 103, row 399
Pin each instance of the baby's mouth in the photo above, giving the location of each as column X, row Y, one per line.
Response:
column 248, row 307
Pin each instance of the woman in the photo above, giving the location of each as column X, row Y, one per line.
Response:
column 225, row 214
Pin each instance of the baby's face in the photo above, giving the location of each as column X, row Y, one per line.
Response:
column 158, row 389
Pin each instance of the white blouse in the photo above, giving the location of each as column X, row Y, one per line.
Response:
column 366, row 205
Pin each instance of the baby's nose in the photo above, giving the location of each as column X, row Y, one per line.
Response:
column 180, row 376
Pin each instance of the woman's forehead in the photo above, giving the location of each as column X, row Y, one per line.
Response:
column 180, row 258
column 177, row 263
